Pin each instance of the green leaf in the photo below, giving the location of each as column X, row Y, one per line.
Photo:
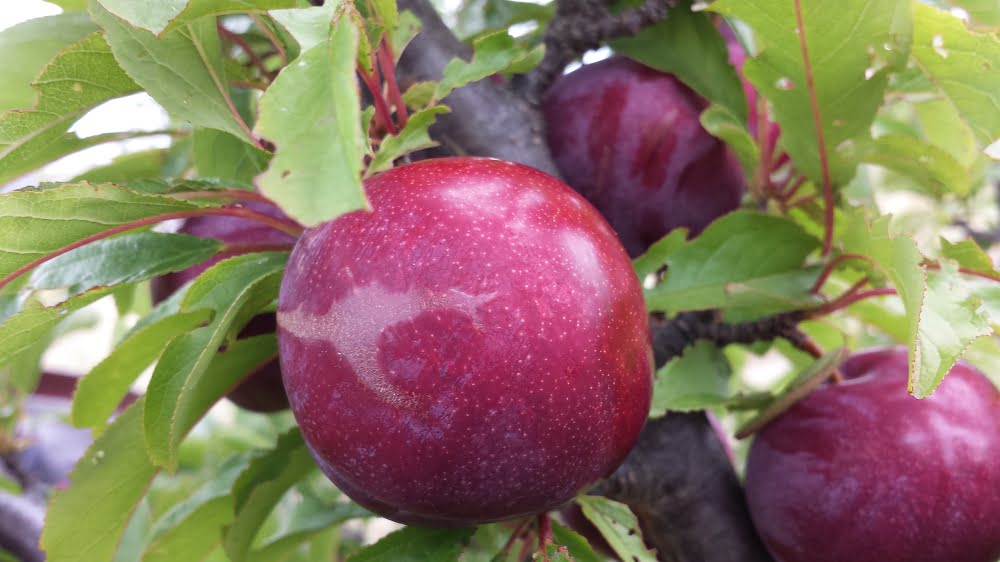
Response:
column 967, row 254
column 312, row 114
column 725, row 125
column 931, row 167
column 80, row 77
column 420, row 94
column 951, row 318
column 128, row 258
column 578, row 546
column 618, row 526
column 191, row 529
column 189, row 376
column 166, row 15
column 37, row 222
column 310, row 518
column 413, row 137
column 99, row 393
column 33, row 44
column 656, row 256
column 309, row 26
column 127, row 167
column 21, row 332
column 70, row 5
column 687, row 45
column 416, row 544
column 182, row 70
column 697, row 380
column 942, row 126
column 731, row 261
column 261, row 485
column 221, row 155
column 86, row 521
column 984, row 13
column 964, row 65
column 493, row 53
column 849, row 66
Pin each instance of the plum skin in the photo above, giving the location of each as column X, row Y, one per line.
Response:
column 475, row 348
column 861, row 471
column 629, row 139
column 261, row 391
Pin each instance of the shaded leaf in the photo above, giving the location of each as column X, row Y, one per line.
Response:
column 416, row 544
column 697, row 380
column 967, row 254
column 492, row 53
column 578, row 547
column 221, row 155
column 312, row 114
column 725, row 125
column 656, row 256
column 413, row 137
column 127, row 167
column 931, row 167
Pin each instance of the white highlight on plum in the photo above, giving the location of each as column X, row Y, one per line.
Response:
column 354, row 324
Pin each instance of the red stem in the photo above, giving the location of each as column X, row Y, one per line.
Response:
column 274, row 40
column 385, row 59
column 848, row 299
column 242, row 212
column 820, row 139
column 791, row 187
column 828, row 269
column 381, row 108
column 245, row 47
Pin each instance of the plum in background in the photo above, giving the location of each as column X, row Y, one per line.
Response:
column 475, row 348
column 861, row 471
column 628, row 138
column 262, row 391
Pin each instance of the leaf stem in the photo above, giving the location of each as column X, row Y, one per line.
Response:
column 239, row 41
column 381, row 107
column 849, row 297
column 829, row 267
column 242, row 212
column 272, row 38
column 820, row 139
column 385, row 58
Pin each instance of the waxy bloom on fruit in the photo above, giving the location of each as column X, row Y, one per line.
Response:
column 474, row 348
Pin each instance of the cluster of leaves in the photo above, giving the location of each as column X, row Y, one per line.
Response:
column 870, row 97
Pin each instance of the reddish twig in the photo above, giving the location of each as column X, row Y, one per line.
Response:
column 829, row 267
column 544, row 535
column 848, row 299
column 271, row 37
column 252, row 56
column 249, row 214
column 385, row 58
column 820, row 139
column 382, row 113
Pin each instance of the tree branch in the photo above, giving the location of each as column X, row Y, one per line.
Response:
column 579, row 26
column 487, row 118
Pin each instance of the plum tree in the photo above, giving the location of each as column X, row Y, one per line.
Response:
column 628, row 138
column 861, row 471
column 261, row 391
column 474, row 349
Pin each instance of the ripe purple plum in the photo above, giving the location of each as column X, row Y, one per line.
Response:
column 261, row 391
column 475, row 348
column 861, row 471
column 628, row 138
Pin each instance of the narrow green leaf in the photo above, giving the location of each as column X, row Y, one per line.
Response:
column 191, row 529
column 221, row 155
column 493, row 53
column 33, row 44
column 195, row 9
column 730, row 261
column 127, row 167
column 931, row 167
column 312, row 114
column 420, row 94
column 725, row 125
column 182, row 70
column 416, row 544
column 687, row 45
column 21, row 333
column 310, row 518
column 618, row 526
column 964, row 65
column 37, row 222
column 99, row 393
column 261, row 485
column 657, row 254
column 80, row 77
column 967, row 254
column 128, row 258
column 86, row 521
column 184, row 386
column 697, row 380
column 849, row 62
column 412, row 138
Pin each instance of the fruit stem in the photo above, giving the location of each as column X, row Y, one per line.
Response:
column 831, row 265
column 820, row 139
column 385, row 58
column 518, row 531
column 279, row 224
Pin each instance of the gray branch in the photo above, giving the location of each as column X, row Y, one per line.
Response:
column 21, row 523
